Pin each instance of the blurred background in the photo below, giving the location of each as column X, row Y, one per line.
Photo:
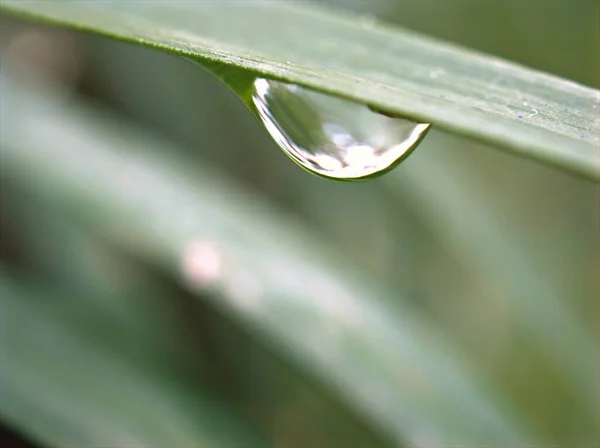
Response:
column 171, row 278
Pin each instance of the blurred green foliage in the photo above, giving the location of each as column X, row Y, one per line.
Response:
column 104, row 340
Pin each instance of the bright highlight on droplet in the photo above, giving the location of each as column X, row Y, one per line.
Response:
column 333, row 137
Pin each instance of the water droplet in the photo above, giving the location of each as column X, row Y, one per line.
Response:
column 333, row 137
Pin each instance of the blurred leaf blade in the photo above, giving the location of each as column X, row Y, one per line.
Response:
column 193, row 338
column 262, row 269
column 66, row 386
column 523, row 111
column 466, row 220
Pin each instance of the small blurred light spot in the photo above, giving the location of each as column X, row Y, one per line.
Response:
column 367, row 20
column 202, row 263
column 335, row 301
column 434, row 74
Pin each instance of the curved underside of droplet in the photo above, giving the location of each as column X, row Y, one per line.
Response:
column 347, row 148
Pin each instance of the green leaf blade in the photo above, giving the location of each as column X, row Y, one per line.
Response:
column 523, row 111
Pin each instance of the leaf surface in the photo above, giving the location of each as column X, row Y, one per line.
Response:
column 397, row 71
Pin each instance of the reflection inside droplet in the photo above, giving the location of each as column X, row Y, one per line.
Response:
column 360, row 155
column 324, row 161
column 333, row 137
column 337, row 134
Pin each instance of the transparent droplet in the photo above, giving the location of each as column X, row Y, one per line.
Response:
column 333, row 137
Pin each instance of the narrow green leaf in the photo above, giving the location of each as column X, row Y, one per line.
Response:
column 485, row 98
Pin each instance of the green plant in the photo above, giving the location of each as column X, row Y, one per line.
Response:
column 197, row 314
